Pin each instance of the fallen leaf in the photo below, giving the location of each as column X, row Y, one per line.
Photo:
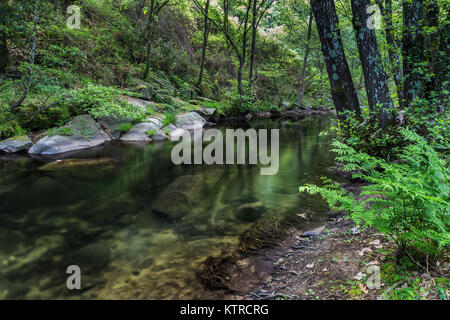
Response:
column 363, row 288
column 310, row 266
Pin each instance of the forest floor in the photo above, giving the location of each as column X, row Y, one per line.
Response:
column 343, row 262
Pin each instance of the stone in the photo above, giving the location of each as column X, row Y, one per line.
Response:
column 250, row 211
column 73, row 163
column 111, row 126
column 16, row 144
column 309, row 234
column 94, row 255
column 208, row 113
column 86, row 134
column 190, row 121
column 160, row 136
column 139, row 133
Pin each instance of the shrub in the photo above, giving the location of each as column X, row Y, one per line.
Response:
column 100, row 101
column 170, row 118
column 124, row 127
column 408, row 201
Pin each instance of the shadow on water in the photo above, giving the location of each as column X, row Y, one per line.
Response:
column 140, row 228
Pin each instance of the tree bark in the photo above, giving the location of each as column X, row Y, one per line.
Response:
column 375, row 78
column 254, row 32
column 29, row 83
column 4, row 54
column 393, row 50
column 342, row 88
column 413, row 50
column 205, row 43
column 305, row 60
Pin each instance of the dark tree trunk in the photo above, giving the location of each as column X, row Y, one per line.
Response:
column 305, row 60
column 205, row 44
column 4, row 54
column 432, row 54
column 375, row 78
column 393, row 51
column 342, row 89
column 413, row 50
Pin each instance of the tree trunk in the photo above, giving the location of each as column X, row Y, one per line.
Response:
column 393, row 51
column 413, row 50
column 4, row 54
column 434, row 84
column 239, row 77
column 342, row 89
column 254, row 32
column 305, row 60
column 205, row 43
column 375, row 78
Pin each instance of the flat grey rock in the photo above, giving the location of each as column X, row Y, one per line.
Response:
column 139, row 133
column 16, row 144
column 86, row 133
column 190, row 121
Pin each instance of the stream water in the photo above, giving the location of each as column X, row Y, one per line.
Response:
column 103, row 219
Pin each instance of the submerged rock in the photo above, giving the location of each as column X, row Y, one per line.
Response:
column 16, row 144
column 93, row 255
column 86, row 133
column 179, row 198
column 139, row 133
column 190, row 121
column 250, row 211
column 71, row 163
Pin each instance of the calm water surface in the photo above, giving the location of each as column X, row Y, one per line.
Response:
column 105, row 221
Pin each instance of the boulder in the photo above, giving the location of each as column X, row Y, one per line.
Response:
column 16, row 144
column 208, row 113
column 86, row 133
column 111, row 126
column 139, row 133
column 177, row 198
column 250, row 211
column 174, row 132
column 159, row 136
column 190, row 121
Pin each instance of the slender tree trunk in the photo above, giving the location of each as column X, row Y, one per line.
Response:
column 375, row 78
column 254, row 33
column 239, row 76
column 413, row 50
column 149, row 32
column 32, row 55
column 305, row 60
column 432, row 53
column 393, row 51
column 342, row 89
column 4, row 54
column 205, row 44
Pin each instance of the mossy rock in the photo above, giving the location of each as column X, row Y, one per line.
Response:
column 73, row 163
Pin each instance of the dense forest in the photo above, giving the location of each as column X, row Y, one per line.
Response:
column 381, row 66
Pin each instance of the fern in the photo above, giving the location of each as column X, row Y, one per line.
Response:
column 407, row 201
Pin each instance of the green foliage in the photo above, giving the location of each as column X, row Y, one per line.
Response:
column 63, row 131
column 151, row 133
column 170, row 118
column 100, row 101
column 368, row 136
column 407, row 201
column 124, row 127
